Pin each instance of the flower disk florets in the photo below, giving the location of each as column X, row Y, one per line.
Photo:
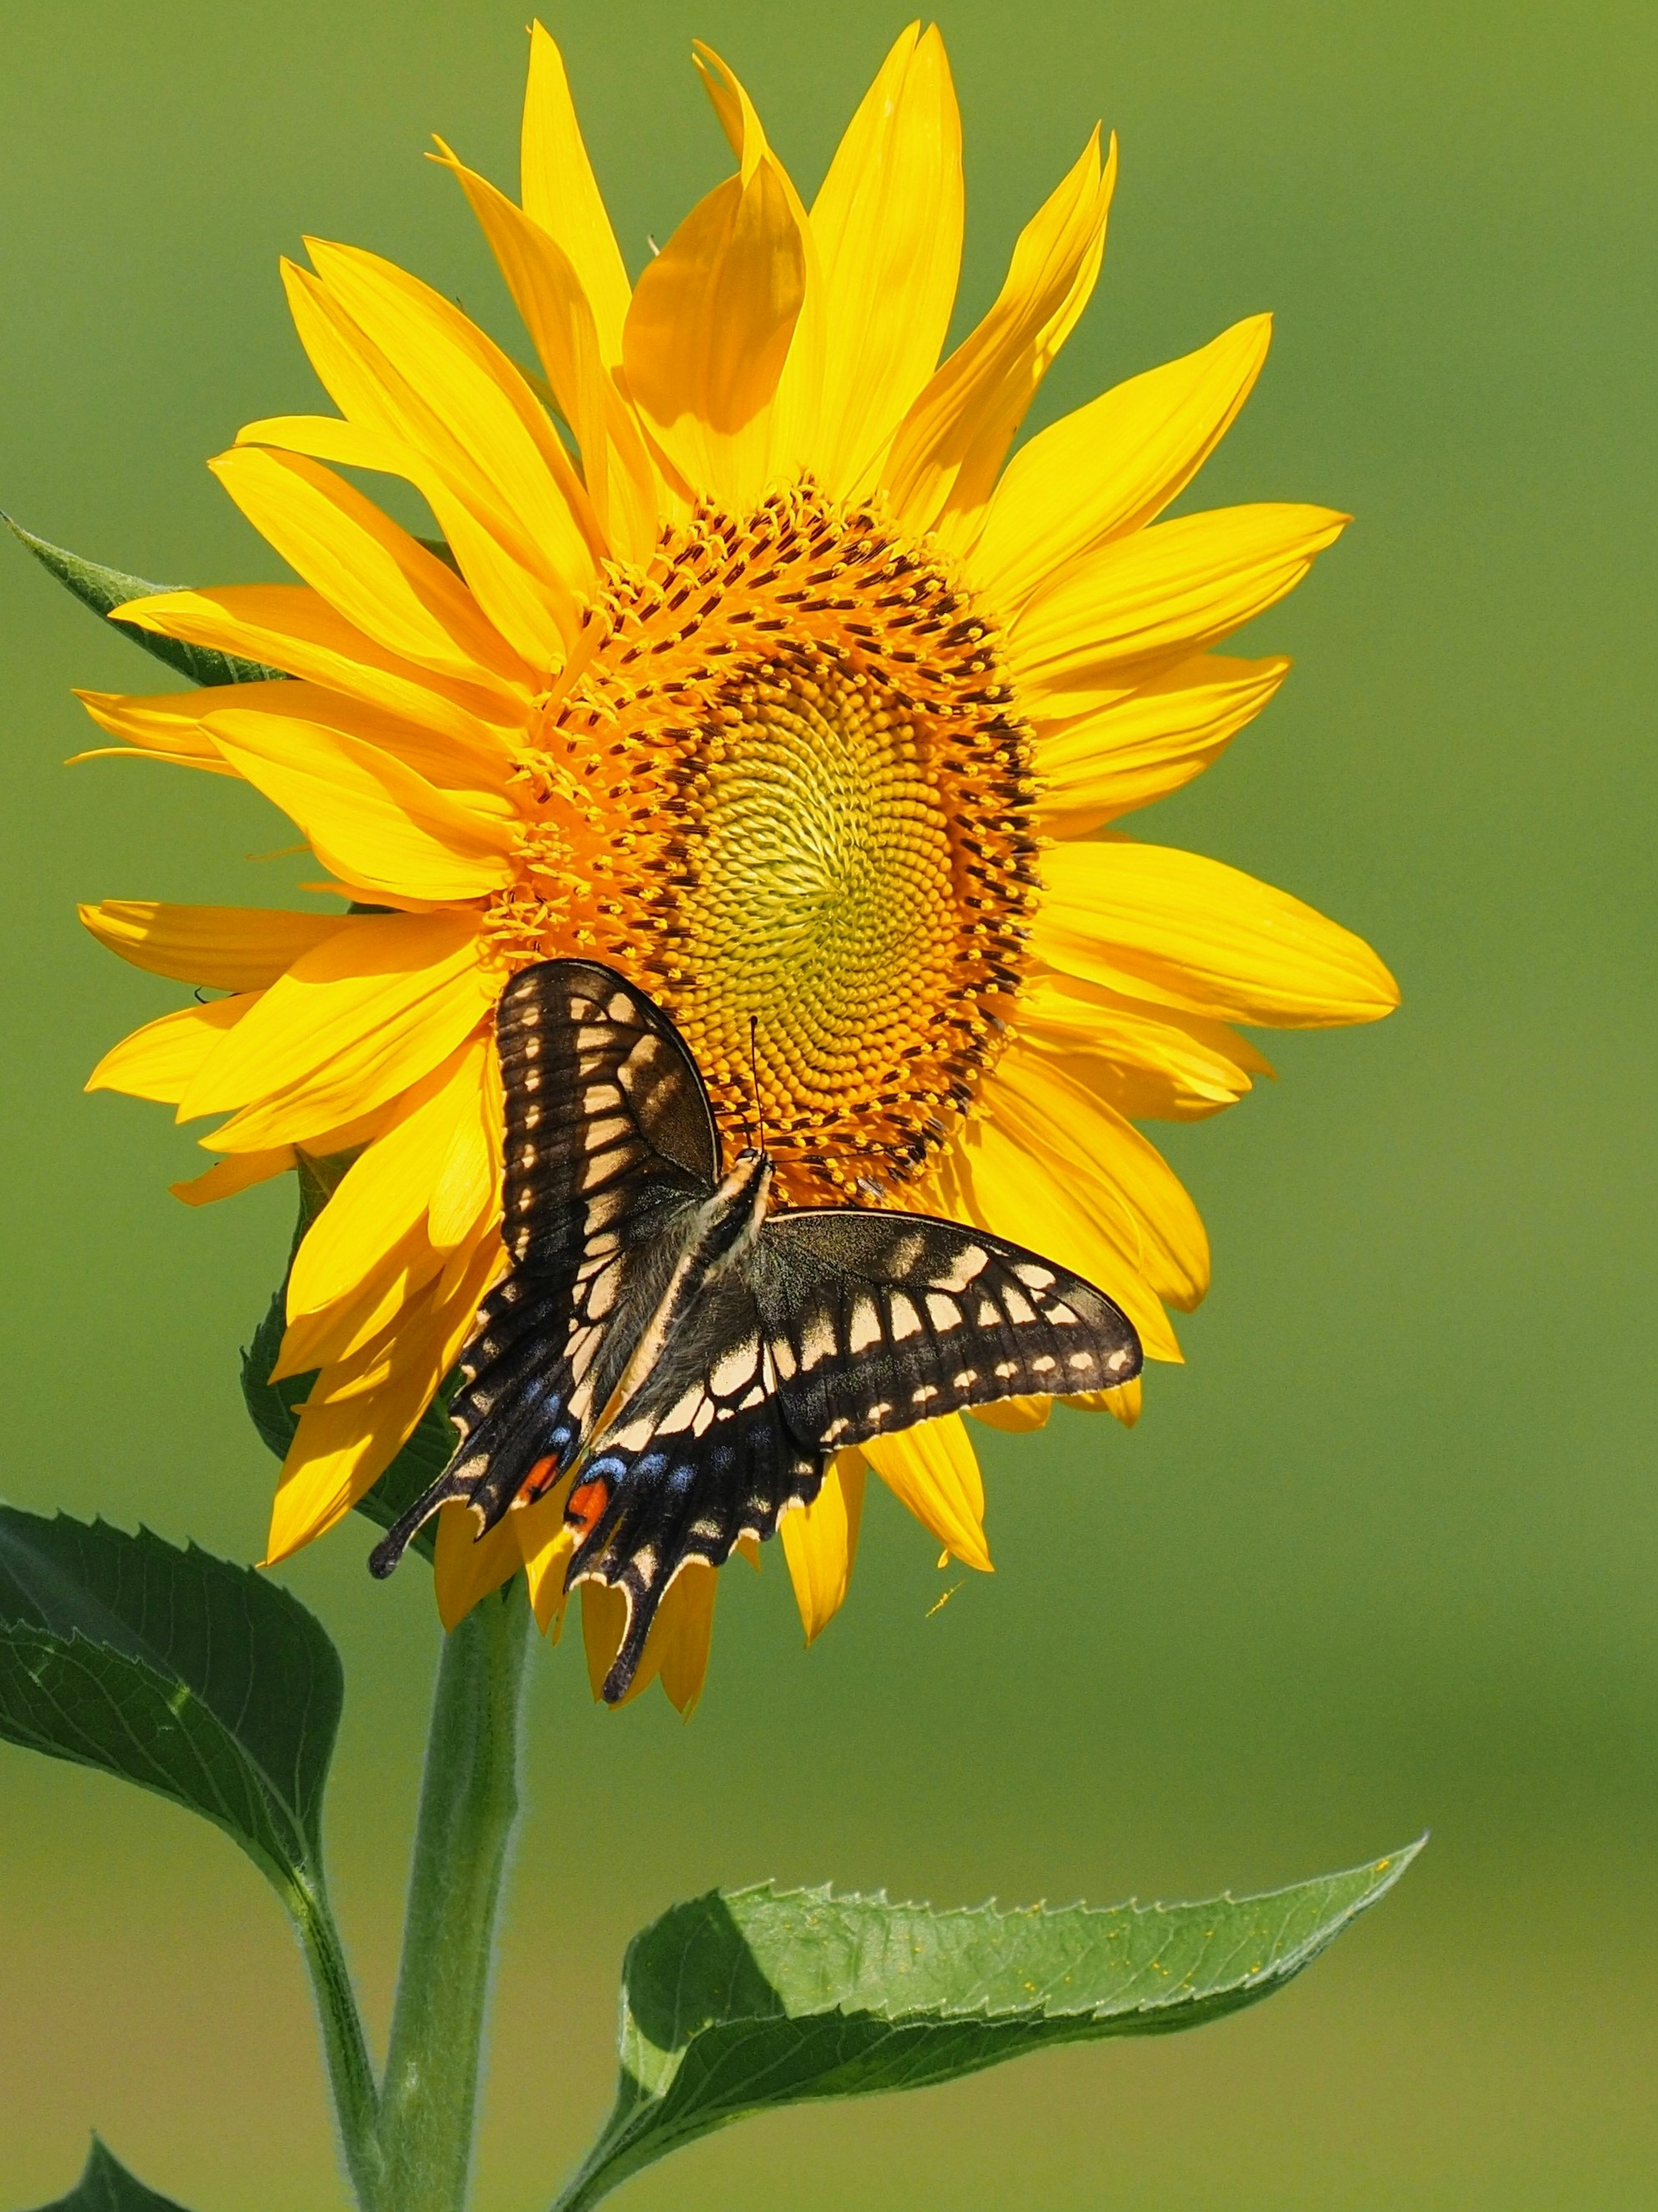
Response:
column 788, row 789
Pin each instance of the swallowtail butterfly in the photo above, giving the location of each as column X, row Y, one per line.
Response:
column 693, row 1357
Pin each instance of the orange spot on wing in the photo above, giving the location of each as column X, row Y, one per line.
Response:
column 538, row 1481
column 588, row 1501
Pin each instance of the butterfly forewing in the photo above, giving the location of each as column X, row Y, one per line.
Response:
column 608, row 1144
column 877, row 1320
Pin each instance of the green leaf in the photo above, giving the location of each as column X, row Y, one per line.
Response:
column 184, row 1673
column 101, row 588
column 107, row 2186
column 273, row 1406
column 744, row 2000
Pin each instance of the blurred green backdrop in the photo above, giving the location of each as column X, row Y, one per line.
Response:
column 1382, row 1557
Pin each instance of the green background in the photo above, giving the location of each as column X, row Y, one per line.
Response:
column 1380, row 1558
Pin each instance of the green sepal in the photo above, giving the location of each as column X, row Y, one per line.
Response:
column 184, row 1673
column 101, row 589
column 744, row 2000
column 107, row 2186
column 273, row 1408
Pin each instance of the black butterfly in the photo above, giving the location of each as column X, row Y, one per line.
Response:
column 694, row 1358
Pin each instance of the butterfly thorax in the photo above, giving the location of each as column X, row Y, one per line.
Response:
column 716, row 1236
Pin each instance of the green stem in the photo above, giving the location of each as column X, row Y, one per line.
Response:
column 469, row 1804
column 356, row 2099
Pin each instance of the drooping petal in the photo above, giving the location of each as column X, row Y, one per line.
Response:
column 165, row 728
column 934, row 1471
column 1162, row 925
column 163, row 1059
column 1110, row 467
column 710, row 326
column 367, row 816
column 467, row 1566
column 676, row 1647
column 820, row 1542
column 468, row 1183
column 547, row 1546
column 1123, row 1404
column 222, row 948
column 290, row 626
column 561, row 193
column 352, row 1022
column 1148, row 743
column 1143, row 1061
column 888, row 228
column 950, row 447
column 380, row 579
column 225, row 1178
column 1166, row 591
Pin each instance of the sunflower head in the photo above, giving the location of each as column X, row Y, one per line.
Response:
column 744, row 659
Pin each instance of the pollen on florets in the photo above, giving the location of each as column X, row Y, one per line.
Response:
column 783, row 786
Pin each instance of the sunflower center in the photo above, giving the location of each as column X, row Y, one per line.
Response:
column 785, row 792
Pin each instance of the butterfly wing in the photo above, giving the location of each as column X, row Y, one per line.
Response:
column 703, row 1455
column 877, row 1321
column 836, row 1326
column 610, row 1147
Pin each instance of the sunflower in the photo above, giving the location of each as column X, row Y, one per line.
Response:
column 747, row 661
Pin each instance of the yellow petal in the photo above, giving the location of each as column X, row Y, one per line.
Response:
column 794, row 412
column 468, row 1184
column 338, row 1454
column 1174, row 1065
column 167, row 728
column 1148, row 743
column 820, row 1542
column 224, row 948
column 1018, row 1416
column 380, row 577
column 161, row 1060
column 523, row 589
column 948, row 449
column 709, row 331
column 1107, row 1163
column 1111, row 466
column 241, row 1172
column 467, row 1566
column 479, row 396
column 353, row 1023
column 355, row 1339
column 888, row 228
column 1123, row 1403
column 561, row 194
column 385, row 1193
column 990, row 1181
column 365, row 814
column 341, row 1447
column 292, row 626
column 547, row 291
column 933, row 1470
column 1164, row 592
column 676, row 1647
column 547, row 1546
column 1161, row 924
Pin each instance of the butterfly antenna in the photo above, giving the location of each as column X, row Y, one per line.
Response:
column 753, row 1076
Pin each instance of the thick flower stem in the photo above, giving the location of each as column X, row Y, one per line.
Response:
column 469, row 1804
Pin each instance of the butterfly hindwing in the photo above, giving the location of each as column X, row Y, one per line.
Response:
column 877, row 1320
column 705, row 1455
column 609, row 1144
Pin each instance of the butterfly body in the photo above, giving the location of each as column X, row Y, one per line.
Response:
column 691, row 1358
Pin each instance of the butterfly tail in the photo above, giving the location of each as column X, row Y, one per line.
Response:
column 404, row 1530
